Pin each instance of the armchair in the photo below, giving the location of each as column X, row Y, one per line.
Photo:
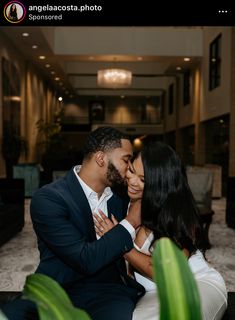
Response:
column 201, row 184
column 11, row 208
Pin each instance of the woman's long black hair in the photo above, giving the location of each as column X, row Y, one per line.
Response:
column 168, row 206
column 13, row 12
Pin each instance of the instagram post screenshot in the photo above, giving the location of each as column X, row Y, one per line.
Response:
column 117, row 160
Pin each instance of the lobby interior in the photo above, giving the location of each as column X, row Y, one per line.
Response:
column 181, row 92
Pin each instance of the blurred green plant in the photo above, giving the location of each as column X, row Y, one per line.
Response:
column 177, row 289
column 50, row 130
column 51, row 299
column 2, row 317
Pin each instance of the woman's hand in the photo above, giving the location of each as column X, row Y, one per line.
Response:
column 134, row 213
column 102, row 223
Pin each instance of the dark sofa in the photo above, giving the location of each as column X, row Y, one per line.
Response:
column 11, row 208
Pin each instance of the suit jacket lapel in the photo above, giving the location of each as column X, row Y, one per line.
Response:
column 80, row 199
column 115, row 207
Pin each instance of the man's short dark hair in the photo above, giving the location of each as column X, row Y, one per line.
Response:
column 103, row 139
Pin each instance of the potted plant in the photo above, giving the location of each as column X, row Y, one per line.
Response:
column 51, row 299
column 50, row 143
column 50, row 131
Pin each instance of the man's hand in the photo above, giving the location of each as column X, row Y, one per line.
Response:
column 134, row 213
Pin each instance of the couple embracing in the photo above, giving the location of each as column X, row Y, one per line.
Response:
column 87, row 231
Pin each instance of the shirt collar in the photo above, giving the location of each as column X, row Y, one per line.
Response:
column 87, row 190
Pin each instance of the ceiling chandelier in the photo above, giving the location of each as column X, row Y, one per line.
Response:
column 114, row 78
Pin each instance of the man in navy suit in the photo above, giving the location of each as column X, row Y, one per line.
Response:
column 91, row 270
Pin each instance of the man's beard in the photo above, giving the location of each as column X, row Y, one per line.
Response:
column 114, row 177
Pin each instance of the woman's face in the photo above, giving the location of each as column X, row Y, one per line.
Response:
column 135, row 179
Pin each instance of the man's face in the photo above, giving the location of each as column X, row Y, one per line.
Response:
column 118, row 160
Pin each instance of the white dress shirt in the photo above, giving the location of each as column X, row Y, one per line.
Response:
column 100, row 203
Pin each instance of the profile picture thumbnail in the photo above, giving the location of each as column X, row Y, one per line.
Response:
column 14, row 12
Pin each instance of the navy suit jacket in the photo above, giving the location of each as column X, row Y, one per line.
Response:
column 69, row 250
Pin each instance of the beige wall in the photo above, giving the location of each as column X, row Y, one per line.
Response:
column 216, row 102
column 211, row 103
column 118, row 110
column 207, row 104
column 40, row 103
column 170, row 119
column 37, row 100
column 12, row 54
column 232, row 112
column 188, row 113
column 165, row 41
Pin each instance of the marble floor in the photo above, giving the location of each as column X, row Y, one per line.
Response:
column 19, row 257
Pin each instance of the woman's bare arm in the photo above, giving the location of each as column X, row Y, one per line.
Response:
column 141, row 262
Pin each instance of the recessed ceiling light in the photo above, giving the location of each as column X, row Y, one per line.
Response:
column 41, row 57
column 25, row 34
column 57, row 78
column 60, row 98
column 34, row 46
column 178, row 68
column 47, row 65
column 186, row 59
column 52, row 72
column 122, row 97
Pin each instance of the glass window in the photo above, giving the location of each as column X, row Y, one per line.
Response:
column 215, row 63
column 171, row 98
column 186, row 87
